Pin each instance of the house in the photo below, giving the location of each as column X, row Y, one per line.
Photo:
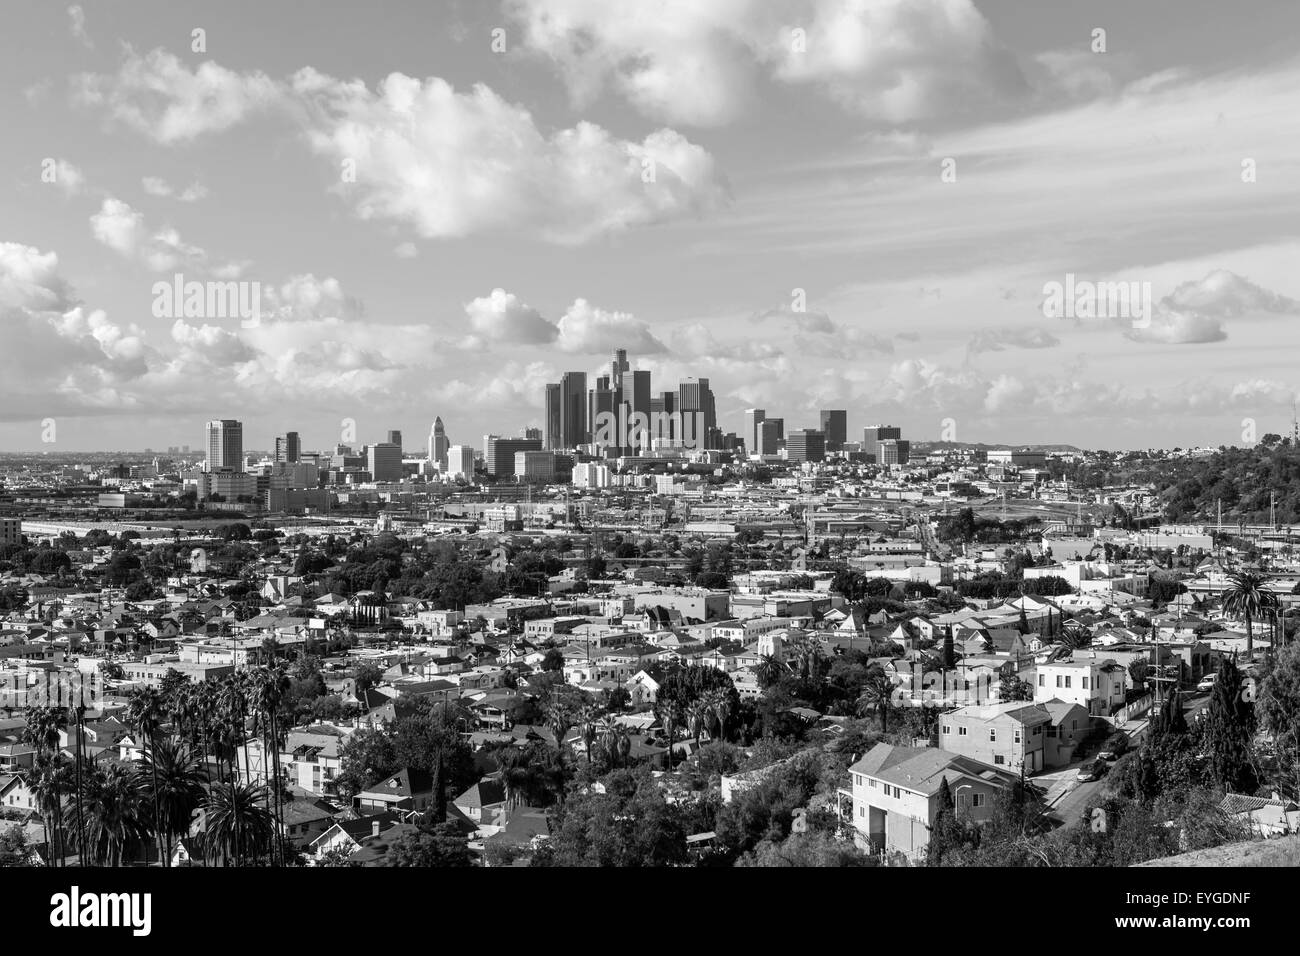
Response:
column 896, row 794
column 408, row 789
column 483, row 802
column 304, row 821
column 1096, row 685
column 346, row 836
column 1264, row 816
column 1071, row 725
column 16, row 793
column 1009, row 735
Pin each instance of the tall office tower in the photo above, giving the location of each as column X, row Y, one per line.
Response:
column 806, row 444
column 753, row 424
column 573, row 411
column 893, row 451
column 534, row 433
column 225, row 445
column 460, row 462
column 395, row 438
column 770, row 436
column 499, row 454
column 664, row 405
column 600, row 401
column 694, row 395
column 835, row 426
column 554, row 416
column 288, row 449
column 616, row 370
column 438, row 445
column 384, row 461
column 873, row 435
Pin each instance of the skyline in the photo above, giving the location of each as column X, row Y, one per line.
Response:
column 798, row 244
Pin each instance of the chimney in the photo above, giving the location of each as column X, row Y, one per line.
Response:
column 374, row 828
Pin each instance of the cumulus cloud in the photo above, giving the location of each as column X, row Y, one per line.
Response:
column 588, row 329
column 306, row 297
column 898, row 61
column 166, row 100
column 122, row 228
column 68, row 177
column 817, row 334
column 1226, row 294
column 451, row 163
column 503, row 318
column 446, row 163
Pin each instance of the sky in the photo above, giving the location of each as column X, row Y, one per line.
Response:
column 442, row 206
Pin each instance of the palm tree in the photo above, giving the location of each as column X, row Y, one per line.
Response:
column 269, row 687
column 110, row 801
column 769, row 670
column 1075, row 636
column 42, row 732
column 1248, row 596
column 670, row 712
column 719, row 703
column 238, row 821
column 178, row 778
column 877, row 691
column 145, row 712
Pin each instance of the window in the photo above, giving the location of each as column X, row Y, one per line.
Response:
column 862, row 811
column 993, row 736
column 947, row 729
column 1084, row 685
column 1058, row 680
column 977, row 799
column 1067, row 680
column 999, row 759
column 961, row 731
column 1017, row 735
column 1042, row 680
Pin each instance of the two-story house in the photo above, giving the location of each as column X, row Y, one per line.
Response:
column 1096, row 685
column 896, row 794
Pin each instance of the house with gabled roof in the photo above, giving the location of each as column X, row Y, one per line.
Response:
column 896, row 794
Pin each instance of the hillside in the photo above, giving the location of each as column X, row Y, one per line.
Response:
column 1282, row 851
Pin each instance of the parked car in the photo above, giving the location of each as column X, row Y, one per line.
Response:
column 1092, row 771
column 1207, row 683
column 1109, row 756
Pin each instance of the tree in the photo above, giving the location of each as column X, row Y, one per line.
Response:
column 1247, row 596
column 877, row 694
column 238, row 821
column 145, row 711
column 1227, row 732
column 440, row 846
column 553, row 660
column 1279, row 704
column 177, row 788
column 111, row 802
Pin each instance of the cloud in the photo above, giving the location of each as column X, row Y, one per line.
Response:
column 1225, row 294
column 164, row 99
column 406, row 250
column 897, row 61
column 305, row 297
column 502, row 318
column 446, row 163
column 1173, row 327
column 1010, row 337
column 156, row 186
column 123, row 230
column 30, row 280
column 77, row 20
column 118, row 226
column 819, row 336
column 68, row 177
column 587, row 329
column 452, row 164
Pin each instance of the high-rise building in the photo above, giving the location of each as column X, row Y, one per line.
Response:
column 753, row 424
column 694, row 395
column 771, row 435
column 600, row 403
column 395, row 438
column 806, row 444
column 460, row 462
column 617, row 368
column 225, row 445
column 288, row 449
column 438, row 445
column 499, row 454
column 533, row 433
column 554, row 416
column 835, row 426
column 535, row 467
column 384, row 461
column 893, row 451
column 872, row 435
column 573, row 413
